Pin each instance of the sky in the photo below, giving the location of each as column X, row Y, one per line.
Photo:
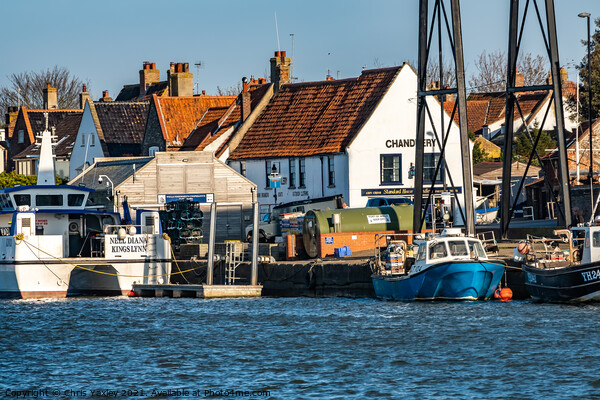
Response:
column 105, row 43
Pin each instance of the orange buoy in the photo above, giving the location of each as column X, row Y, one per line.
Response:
column 131, row 293
column 506, row 294
column 523, row 248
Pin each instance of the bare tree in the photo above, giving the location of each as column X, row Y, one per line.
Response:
column 26, row 88
column 448, row 73
column 491, row 76
column 491, row 67
column 230, row 91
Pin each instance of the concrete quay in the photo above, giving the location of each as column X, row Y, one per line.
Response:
column 328, row 277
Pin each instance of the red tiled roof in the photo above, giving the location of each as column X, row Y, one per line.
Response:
column 312, row 118
column 476, row 113
column 488, row 108
column 179, row 116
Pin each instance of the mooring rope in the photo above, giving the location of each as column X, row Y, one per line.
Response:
column 20, row 238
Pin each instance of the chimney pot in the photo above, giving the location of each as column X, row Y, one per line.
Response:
column 84, row 88
column 152, row 65
column 105, row 93
column 277, row 53
column 203, row 92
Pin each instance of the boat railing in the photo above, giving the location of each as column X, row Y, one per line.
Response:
column 392, row 254
column 488, row 240
column 547, row 249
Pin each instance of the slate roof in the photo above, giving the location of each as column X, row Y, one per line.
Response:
column 180, row 116
column 122, row 122
column 132, row 92
column 129, row 92
column 35, row 120
column 65, row 132
column 312, row 118
column 118, row 170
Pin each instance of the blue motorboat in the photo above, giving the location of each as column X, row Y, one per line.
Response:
column 449, row 266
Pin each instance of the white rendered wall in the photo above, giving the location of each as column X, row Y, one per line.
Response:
column 94, row 149
column 392, row 130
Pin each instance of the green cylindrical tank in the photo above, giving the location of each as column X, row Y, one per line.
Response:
column 369, row 219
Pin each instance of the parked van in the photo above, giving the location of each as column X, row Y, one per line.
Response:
column 270, row 225
column 387, row 201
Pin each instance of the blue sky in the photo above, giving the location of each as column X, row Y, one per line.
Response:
column 106, row 42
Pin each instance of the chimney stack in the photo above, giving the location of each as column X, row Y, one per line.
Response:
column 280, row 69
column 50, row 97
column 181, row 80
column 519, row 79
column 11, row 115
column 246, row 104
column 105, row 97
column 148, row 76
column 83, row 97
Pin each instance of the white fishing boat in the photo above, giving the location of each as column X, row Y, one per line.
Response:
column 53, row 245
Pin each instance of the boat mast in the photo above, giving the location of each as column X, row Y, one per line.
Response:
column 46, row 174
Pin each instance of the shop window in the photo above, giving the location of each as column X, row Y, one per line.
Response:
column 391, row 169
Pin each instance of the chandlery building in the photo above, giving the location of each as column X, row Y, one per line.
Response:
column 354, row 137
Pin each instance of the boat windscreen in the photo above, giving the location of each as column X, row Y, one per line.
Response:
column 476, row 249
column 458, row 248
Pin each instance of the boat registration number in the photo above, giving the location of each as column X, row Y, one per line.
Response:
column 591, row 275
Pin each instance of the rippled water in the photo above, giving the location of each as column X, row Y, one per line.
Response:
column 299, row 348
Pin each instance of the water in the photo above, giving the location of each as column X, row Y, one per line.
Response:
column 297, row 348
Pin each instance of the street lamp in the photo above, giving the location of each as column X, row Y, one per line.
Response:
column 112, row 188
column 587, row 15
column 108, row 183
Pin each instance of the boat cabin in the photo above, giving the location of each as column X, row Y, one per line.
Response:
column 447, row 248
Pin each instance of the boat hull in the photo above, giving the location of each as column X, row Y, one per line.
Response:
column 453, row 280
column 51, row 279
column 573, row 284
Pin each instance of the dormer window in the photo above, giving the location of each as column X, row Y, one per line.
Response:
column 21, row 137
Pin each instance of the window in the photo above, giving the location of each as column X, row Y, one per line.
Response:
column 75, row 199
column 83, row 140
column 292, row 173
column 92, row 140
column 22, row 199
column 243, row 168
column 391, row 169
column 476, row 249
column 302, row 176
column 430, row 161
column 331, row 170
column 48, row 200
column 596, row 239
column 21, row 138
column 458, row 248
column 437, row 250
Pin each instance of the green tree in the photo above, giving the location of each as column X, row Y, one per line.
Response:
column 523, row 145
column 11, row 179
column 480, row 155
